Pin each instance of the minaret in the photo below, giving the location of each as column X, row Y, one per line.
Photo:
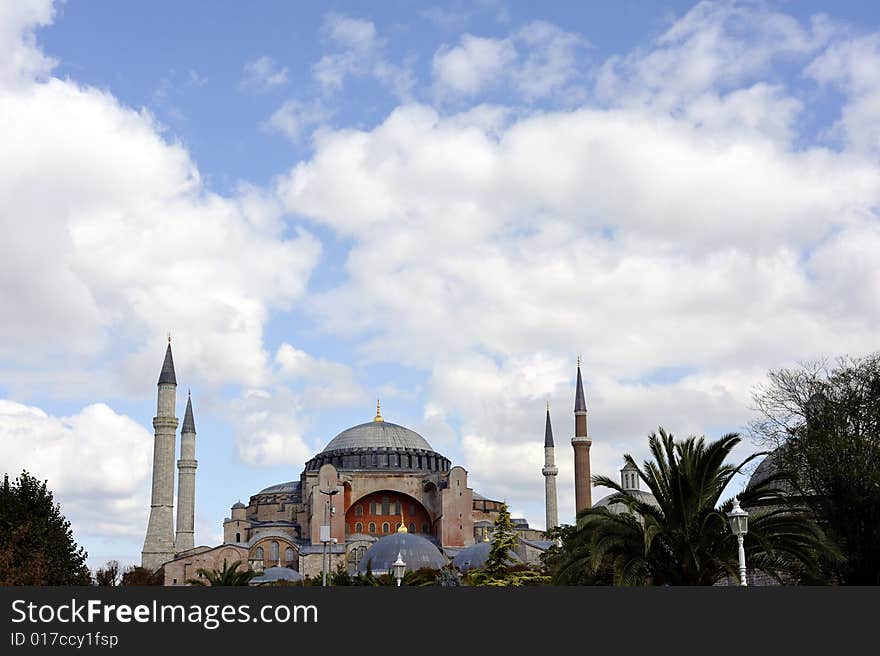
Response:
column 186, row 481
column 550, row 471
column 581, row 444
column 159, row 543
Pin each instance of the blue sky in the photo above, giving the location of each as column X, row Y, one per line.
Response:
column 441, row 205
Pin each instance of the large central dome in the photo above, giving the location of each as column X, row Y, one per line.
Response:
column 374, row 434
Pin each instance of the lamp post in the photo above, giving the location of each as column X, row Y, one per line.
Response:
column 399, row 568
column 739, row 524
column 325, row 532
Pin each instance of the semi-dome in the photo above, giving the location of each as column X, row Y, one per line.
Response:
column 275, row 574
column 291, row 487
column 417, row 552
column 475, row 556
column 374, row 434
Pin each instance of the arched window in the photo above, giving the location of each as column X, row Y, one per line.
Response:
column 385, row 527
column 373, row 508
column 259, row 553
column 359, row 510
column 412, row 527
column 288, row 555
column 386, row 507
column 238, row 537
column 273, row 552
column 358, row 528
column 372, row 527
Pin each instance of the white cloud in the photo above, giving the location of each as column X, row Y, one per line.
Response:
column 269, row 427
column 262, row 74
column 536, row 61
column 362, row 54
column 129, row 243
column 854, row 67
column 22, row 59
column 473, row 64
column 295, row 117
column 98, row 464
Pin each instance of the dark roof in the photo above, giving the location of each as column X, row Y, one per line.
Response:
column 580, row 405
column 167, row 376
column 272, row 574
column 239, row 504
column 374, row 434
column 189, row 426
column 548, row 432
column 290, row 487
column 475, row 556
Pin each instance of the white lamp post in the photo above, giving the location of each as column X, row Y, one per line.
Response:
column 325, row 532
column 739, row 524
column 399, row 568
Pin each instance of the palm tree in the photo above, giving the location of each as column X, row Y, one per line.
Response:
column 685, row 538
column 229, row 575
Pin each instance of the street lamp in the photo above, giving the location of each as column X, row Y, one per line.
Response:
column 399, row 568
column 739, row 524
column 325, row 532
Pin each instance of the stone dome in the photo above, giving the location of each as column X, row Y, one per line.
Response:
column 374, row 434
column 416, row 551
column 274, row 574
column 476, row 555
column 617, row 507
column 238, row 504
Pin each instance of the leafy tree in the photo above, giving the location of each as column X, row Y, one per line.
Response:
column 109, row 575
column 569, row 560
column 36, row 541
column 824, row 423
column 135, row 575
column 686, row 539
column 229, row 575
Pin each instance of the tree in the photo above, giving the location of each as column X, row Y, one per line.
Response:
column 824, row 423
column 685, row 539
column 227, row 576
column 568, row 560
column 109, row 575
column 36, row 541
column 503, row 542
column 135, row 575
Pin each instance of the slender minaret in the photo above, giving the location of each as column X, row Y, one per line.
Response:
column 159, row 543
column 186, row 481
column 581, row 444
column 550, row 471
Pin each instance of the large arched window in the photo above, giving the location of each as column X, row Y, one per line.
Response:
column 358, row 528
column 259, row 553
column 273, row 552
column 386, row 506
column 373, row 508
column 359, row 510
column 372, row 527
column 288, row 555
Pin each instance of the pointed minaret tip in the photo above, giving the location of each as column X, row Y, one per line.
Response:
column 189, row 425
column 378, row 416
column 580, row 404
column 548, row 430
column 167, row 376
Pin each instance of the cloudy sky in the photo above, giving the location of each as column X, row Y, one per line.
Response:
column 437, row 205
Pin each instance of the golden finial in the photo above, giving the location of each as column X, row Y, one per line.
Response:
column 486, row 535
column 579, row 360
column 378, row 416
column 402, row 527
column 169, row 338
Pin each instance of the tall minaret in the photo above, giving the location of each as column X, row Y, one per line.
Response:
column 550, row 471
column 581, row 444
column 159, row 543
column 186, row 481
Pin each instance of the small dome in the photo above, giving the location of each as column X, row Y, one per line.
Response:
column 272, row 574
column 238, row 505
column 416, row 551
column 618, row 507
column 375, row 434
column 475, row 556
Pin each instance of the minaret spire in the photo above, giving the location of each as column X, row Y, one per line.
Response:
column 550, row 471
column 159, row 541
column 186, row 481
column 581, row 444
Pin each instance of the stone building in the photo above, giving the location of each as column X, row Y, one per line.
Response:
column 368, row 481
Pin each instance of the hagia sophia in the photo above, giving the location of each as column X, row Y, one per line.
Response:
column 374, row 484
